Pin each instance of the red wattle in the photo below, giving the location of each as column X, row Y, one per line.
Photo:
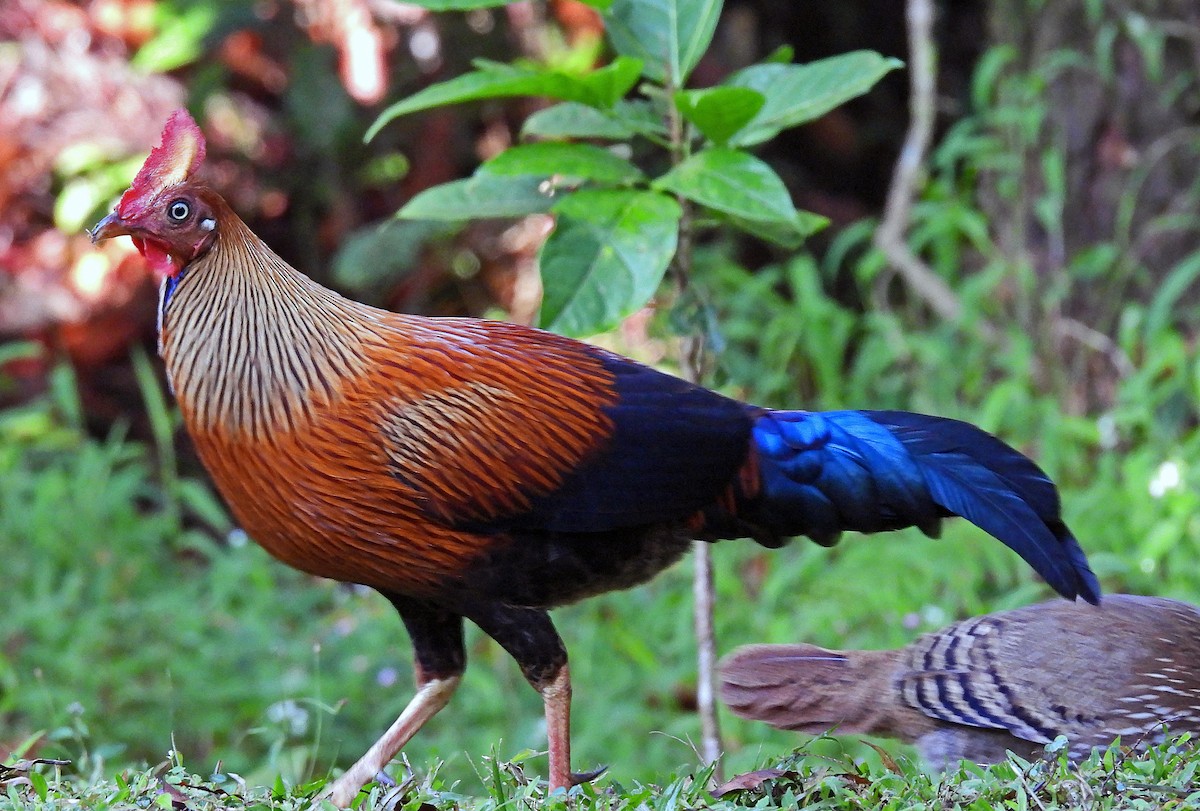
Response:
column 162, row 264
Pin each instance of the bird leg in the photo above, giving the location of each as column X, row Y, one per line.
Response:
column 556, row 695
column 529, row 636
column 430, row 698
column 440, row 660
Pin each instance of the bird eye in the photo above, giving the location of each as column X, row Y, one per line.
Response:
column 179, row 210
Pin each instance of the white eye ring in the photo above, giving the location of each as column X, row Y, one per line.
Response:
column 179, row 210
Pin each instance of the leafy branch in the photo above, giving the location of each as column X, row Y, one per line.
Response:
column 618, row 224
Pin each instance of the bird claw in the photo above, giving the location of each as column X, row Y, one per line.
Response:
column 341, row 793
column 579, row 778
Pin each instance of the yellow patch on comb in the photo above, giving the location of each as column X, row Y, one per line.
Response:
column 174, row 160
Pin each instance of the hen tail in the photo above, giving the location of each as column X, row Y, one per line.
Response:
column 825, row 472
column 812, row 690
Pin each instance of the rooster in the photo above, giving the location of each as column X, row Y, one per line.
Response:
column 483, row 470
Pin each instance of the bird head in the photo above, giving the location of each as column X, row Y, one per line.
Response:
column 171, row 217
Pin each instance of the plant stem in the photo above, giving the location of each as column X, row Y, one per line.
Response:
column 891, row 235
column 691, row 363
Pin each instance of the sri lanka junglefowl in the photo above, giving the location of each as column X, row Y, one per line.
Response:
column 488, row 471
column 1009, row 681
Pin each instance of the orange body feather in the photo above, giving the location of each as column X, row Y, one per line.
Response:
column 360, row 456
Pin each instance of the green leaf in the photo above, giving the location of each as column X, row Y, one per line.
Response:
column 38, row 781
column 1181, row 277
column 784, row 54
column 319, row 111
column 78, row 202
column 669, row 36
column 744, row 189
column 719, row 112
column 571, row 160
column 732, row 182
column 203, row 503
column 180, row 37
column 480, row 197
column 606, row 257
column 574, row 120
column 799, row 93
column 646, row 117
column 789, row 235
column 611, row 82
column 380, row 254
column 601, row 88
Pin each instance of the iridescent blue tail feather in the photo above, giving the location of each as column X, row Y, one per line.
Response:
column 871, row 471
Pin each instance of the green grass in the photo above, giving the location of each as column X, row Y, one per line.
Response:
column 1161, row 778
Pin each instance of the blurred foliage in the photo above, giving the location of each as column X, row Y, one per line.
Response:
column 138, row 621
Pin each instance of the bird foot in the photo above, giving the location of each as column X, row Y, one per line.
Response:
column 342, row 792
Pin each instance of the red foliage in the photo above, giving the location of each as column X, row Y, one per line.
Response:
column 70, row 87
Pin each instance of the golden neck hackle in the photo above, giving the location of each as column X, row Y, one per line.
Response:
column 251, row 345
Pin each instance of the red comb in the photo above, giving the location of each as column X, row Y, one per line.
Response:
column 174, row 160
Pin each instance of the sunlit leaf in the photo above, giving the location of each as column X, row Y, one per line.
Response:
column 799, row 93
column 600, row 88
column 732, row 182
column 784, row 54
column 606, row 257
column 480, row 197
column 77, row 204
column 180, row 37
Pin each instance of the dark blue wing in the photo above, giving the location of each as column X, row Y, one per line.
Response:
column 673, row 449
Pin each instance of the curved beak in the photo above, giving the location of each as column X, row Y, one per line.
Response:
column 110, row 226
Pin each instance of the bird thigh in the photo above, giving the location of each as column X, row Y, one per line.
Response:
column 528, row 636
column 437, row 638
